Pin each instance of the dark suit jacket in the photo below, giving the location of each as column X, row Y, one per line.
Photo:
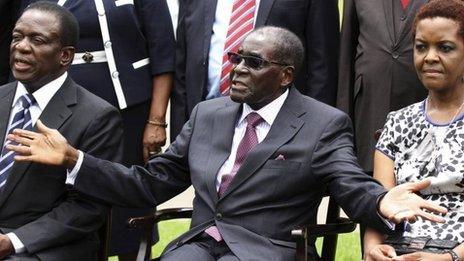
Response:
column 268, row 197
column 52, row 221
column 376, row 73
column 314, row 21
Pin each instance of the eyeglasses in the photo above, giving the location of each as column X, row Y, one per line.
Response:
column 252, row 62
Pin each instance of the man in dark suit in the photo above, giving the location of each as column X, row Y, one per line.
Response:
column 201, row 36
column 259, row 160
column 376, row 73
column 40, row 218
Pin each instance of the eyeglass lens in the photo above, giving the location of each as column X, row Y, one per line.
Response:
column 250, row 61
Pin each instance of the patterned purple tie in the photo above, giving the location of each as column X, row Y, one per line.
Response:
column 248, row 142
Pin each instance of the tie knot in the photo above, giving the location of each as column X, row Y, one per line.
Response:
column 253, row 119
column 27, row 100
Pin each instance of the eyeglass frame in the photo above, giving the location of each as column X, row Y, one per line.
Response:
column 264, row 62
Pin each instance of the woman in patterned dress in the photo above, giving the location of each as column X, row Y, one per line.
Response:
column 426, row 139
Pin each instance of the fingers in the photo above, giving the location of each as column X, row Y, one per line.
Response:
column 145, row 154
column 20, row 139
column 430, row 216
column 433, row 207
column 19, row 149
column 23, row 133
column 419, row 185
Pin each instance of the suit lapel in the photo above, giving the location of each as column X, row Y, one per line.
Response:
column 263, row 12
column 285, row 126
column 223, row 133
column 54, row 115
column 388, row 11
column 7, row 93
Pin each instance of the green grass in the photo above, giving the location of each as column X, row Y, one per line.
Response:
column 348, row 244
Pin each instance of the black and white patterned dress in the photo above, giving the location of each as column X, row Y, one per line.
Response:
column 422, row 149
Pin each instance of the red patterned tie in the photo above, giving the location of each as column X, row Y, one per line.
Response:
column 404, row 3
column 248, row 142
column 241, row 23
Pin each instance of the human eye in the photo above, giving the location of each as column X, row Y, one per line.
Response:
column 38, row 40
column 446, row 47
column 420, row 47
column 16, row 37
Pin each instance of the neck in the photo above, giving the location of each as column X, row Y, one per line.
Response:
column 445, row 107
column 448, row 99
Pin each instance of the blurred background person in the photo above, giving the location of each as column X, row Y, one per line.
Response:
column 424, row 140
column 125, row 55
column 208, row 29
column 8, row 13
column 376, row 72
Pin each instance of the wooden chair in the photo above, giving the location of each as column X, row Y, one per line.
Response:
column 334, row 225
column 104, row 234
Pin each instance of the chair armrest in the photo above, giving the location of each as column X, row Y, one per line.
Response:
column 147, row 223
column 300, row 235
column 159, row 215
column 340, row 226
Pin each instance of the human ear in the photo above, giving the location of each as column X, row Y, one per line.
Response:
column 287, row 75
column 67, row 55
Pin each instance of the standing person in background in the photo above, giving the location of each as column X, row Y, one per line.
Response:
column 201, row 50
column 376, row 73
column 8, row 11
column 126, row 57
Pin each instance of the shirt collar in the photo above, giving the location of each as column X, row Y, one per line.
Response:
column 44, row 94
column 268, row 112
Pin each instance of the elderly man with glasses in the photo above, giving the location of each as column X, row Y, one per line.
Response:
column 259, row 160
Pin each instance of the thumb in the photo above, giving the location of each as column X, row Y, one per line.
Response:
column 420, row 185
column 390, row 251
column 42, row 128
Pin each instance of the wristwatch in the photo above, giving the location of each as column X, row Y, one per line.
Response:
column 454, row 255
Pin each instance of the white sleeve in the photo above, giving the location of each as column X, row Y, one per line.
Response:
column 72, row 175
column 17, row 244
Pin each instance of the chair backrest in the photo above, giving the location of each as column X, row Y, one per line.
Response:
column 104, row 234
column 333, row 226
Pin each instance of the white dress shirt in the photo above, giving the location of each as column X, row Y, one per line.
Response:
column 42, row 96
column 268, row 113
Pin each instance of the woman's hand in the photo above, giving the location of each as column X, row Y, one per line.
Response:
column 154, row 137
column 380, row 252
column 424, row 256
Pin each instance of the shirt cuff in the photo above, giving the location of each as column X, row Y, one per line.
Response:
column 17, row 244
column 72, row 175
column 387, row 222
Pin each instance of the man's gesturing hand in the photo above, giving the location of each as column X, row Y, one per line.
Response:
column 401, row 203
column 47, row 146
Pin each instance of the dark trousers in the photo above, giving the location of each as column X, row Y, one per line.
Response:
column 201, row 248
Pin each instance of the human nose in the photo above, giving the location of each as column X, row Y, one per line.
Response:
column 431, row 55
column 240, row 66
column 22, row 45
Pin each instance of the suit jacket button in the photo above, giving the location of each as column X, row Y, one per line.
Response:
column 218, row 216
column 395, row 56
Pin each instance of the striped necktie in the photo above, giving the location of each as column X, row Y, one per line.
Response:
column 240, row 24
column 21, row 120
column 404, row 3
